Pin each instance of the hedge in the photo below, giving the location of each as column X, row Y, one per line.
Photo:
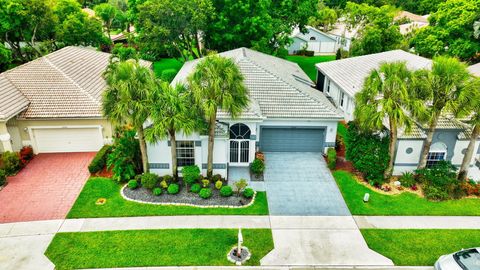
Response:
column 100, row 159
column 332, row 158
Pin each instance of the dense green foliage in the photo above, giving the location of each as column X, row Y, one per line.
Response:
column 132, row 184
column 124, row 160
column 368, row 152
column 195, row 188
column 407, row 179
column 257, row 167
column 11, row 162
column 419, row 247
column 226, row 191
column 100, row 160
column 440, row 181
column 173, row 189
column 117, row 206
column 331, row 158
column 3, row 177
column 149, row 180
column 157, row 191
column 205, row 193
column 248, row 193
column 190, row 174
column 182, row 247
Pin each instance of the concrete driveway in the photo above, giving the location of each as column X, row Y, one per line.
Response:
column 300, row 184
column 46, row 188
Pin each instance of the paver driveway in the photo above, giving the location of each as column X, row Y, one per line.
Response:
column 300, row 184
column 46, row 188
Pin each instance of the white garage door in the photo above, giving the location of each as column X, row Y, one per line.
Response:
column 56, row 140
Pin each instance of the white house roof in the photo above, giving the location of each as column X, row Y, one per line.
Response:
column 67, row 83
column 350, row 73
column 475, row 69
column 278, row 88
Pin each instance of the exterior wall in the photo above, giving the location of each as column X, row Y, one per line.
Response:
column 406, row 160
column 297, row 45
column 321, row 44
column 335, row 92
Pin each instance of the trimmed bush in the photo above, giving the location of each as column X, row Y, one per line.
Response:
column 26, row 154
column 216, row 177
column 435, row 194
column 132, row 184
column 407, row 179
column 218, row 184
column 100, row 160
column 3, row 177
column 248, row 193
column 157, row 191
column 195, row 188
column 226, row 191
column 173, row 189
column 167, row 75
column 332, row 158
column 440, row 181
column 205, row 193
column 168, row 179
column 190, row 174
column 11, row 162
column 240, row 185
column 149, row 180
column 257, row 167
column 163, row 184
column 205, row 183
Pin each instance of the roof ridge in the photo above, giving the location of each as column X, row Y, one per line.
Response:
column 14, row 86
column 71, row 80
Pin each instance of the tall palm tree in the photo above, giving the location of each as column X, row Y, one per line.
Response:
column 386, row 97
column 129, row 93
column 171, row 112
column 469, row 107
column 217, row 83
column 443, row 84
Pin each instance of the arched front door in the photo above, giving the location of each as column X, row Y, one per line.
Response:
column 239, row 144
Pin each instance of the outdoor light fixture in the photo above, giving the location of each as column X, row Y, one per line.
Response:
column 366, row 197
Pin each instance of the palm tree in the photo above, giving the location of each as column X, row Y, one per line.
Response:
column 217, row 83
column 127, row 99
column 170, row 113
column 386, row 96
column 469, row 106
column 443, row 85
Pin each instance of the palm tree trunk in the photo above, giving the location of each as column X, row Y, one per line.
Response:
column 173, row 149
column 211, row 139
column 391, row 150
column 467, row 158
column 428, row 142
column 143, row 148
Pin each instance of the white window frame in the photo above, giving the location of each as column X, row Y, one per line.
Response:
column 431, row 162
column 182, row 164
column 342, row 99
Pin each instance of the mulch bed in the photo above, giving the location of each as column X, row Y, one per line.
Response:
column 145, row 195
column 104, row 173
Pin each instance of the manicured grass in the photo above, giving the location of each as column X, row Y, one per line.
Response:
column 172, row 247
column 419, row 247
column 307, row 63
column 116, row 206
column 404, row 204
column 166, row 63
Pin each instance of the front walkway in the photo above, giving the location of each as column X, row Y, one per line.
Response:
column 300, row 184
column 46, row 188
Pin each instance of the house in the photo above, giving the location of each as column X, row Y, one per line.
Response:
column 315, row 40
column 286, row 114
column 53, row 103
column 343, row 33
column 340, row 80
column 409, row 21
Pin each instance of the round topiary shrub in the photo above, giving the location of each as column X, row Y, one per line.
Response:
column 157, row 191
column 149, row 180
column 248, row 193
column 205, row 193
column 132, row 184
column 226, row 191
column 164, row 184
column 195, row 188
column 257, row 167
column 173, row 189
column 218, row 184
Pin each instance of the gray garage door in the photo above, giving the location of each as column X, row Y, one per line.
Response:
column 292, row 139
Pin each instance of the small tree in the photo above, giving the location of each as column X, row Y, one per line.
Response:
column 240, row 185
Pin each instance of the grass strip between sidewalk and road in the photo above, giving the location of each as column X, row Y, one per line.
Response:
column 419, row 247
column 117, row 206
column 404, row 204
column 171, row 247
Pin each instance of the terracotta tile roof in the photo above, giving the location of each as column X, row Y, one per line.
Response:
column 12, row 101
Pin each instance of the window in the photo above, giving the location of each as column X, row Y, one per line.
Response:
column 240, row 131
column 342, row 99
column 185, row 153
column 239, row 144
column 434, row 157
column 328, row 86
column 313, row 38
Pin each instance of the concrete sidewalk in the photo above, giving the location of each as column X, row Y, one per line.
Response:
column 276, row 268
column 417, row 222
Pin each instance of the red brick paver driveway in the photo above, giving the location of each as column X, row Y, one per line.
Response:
column 46, row 188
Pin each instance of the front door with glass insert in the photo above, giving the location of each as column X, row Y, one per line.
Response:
column 239, row 144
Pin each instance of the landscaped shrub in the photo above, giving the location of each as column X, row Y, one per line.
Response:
column 257, row 167
column 125, row 158
column 226, row 191
column 190, row 174
column 218, row 184
column 248, row 193
column 163, row 184
column 216, row 177
column 167, row 75
column 332, row 158
column 11, row 162
column 470, row 188
column 100, row 159
column 368, row 152
column 3, row 177
column 195, row 188
column 168, row 179
column 149, row 180
column 407, row 179
column 205, row 193
column 157, row 191
column 240, row 185
column 205, row 183
column 26, row 154
column 173, row 189
column 440, row 182
column 133, row 184
column 435, row 194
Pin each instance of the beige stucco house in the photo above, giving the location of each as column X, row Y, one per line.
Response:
column 54, row 103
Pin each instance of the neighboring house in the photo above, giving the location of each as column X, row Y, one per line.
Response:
column 343, row 34
column 314, row 40
column 414, row 21
column 342, row 79
column 286, row 114
column 53, row 103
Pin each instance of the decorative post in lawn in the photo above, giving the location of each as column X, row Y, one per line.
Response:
column 239, row 254
column 240, row 242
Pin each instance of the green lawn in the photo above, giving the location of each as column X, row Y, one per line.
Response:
column 404, row 204
column 166, row 63
column 307, row 63
column 172, row 247
column 419, row 247
column 116, row 206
